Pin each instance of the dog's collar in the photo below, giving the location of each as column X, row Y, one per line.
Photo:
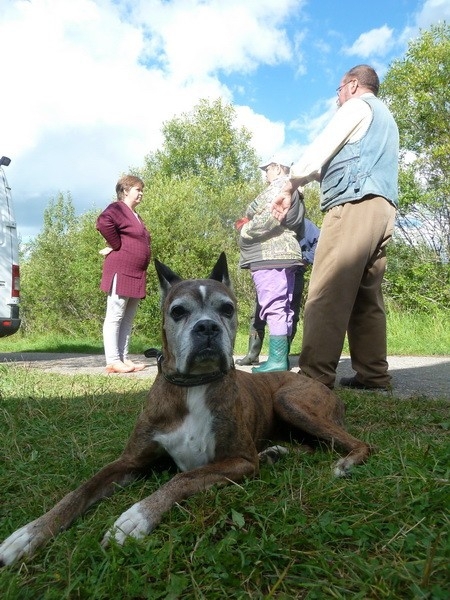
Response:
column 180, row 379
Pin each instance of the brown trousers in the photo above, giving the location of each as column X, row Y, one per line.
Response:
column 345, row 293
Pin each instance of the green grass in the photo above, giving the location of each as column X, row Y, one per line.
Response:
column 408, row 334
column 293, row 532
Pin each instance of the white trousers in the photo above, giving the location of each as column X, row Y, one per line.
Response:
column 120, row 312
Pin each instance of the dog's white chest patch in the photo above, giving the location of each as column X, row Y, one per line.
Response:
column 193, row 443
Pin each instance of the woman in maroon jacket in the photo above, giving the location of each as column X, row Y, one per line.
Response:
column 124, row 271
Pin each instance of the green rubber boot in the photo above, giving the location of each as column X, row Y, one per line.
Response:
column 278, row 355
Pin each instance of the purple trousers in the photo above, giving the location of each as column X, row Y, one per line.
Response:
column 274, row 289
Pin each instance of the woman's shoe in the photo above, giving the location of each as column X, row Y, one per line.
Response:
column 136, row 367
column 119, row 367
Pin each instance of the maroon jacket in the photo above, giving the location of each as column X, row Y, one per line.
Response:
column 131, row 244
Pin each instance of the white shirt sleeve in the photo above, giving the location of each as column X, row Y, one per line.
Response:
column 349, row 124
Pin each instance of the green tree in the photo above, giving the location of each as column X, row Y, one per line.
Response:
column 60, row 274
column 207, row 144
column 190, row 226
column 417, row 89
column 196, row 186
column 45, row 273
column 312, row 203
column 415, row 280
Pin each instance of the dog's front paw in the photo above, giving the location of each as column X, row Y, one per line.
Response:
column 343, row 467
column 357, row 456
column 131, row 523
column 21, row 543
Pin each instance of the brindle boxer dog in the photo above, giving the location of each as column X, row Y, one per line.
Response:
column 211, row 419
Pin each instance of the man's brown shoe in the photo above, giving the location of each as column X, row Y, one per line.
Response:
column 352, row 382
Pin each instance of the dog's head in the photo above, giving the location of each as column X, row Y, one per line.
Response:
column 199, row 321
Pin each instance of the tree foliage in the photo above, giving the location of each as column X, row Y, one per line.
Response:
column 206, row 144
column 417, row 88
column 418, row 91
column 196, row 186
column 59, row 273
column 191, row 225
column 415, row 280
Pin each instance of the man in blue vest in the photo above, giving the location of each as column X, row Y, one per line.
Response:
column 355, row 159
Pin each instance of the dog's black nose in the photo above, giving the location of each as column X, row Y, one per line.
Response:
column 206, row 328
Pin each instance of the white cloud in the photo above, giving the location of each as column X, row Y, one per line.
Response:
column 375, row 42
column 432, row 12
column 268, row 137
column 194, row 37
column 86, row 85
column 309, row 126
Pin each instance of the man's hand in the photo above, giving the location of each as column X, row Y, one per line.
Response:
column 281, row 204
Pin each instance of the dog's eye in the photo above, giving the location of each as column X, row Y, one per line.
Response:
column 178, row 312
column 227, row 309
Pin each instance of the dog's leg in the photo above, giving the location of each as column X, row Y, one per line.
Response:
column 145, row 515
column 27, row 539
column 320, row 423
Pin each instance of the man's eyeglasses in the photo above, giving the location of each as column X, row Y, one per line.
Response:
column 338, row 90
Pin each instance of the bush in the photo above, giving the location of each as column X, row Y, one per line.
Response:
column 416, row 280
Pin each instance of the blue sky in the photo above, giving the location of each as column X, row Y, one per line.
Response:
column 87, row 85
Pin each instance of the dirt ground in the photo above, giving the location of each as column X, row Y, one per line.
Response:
column 413, row 376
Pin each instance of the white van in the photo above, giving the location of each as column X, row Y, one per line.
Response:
column 9, row 259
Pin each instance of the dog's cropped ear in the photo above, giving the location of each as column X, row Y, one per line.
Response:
column 220, row 270
column 166, row 276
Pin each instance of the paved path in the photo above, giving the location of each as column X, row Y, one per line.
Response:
column 427, row 376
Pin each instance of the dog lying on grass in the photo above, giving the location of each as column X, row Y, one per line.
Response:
column 214, row 421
